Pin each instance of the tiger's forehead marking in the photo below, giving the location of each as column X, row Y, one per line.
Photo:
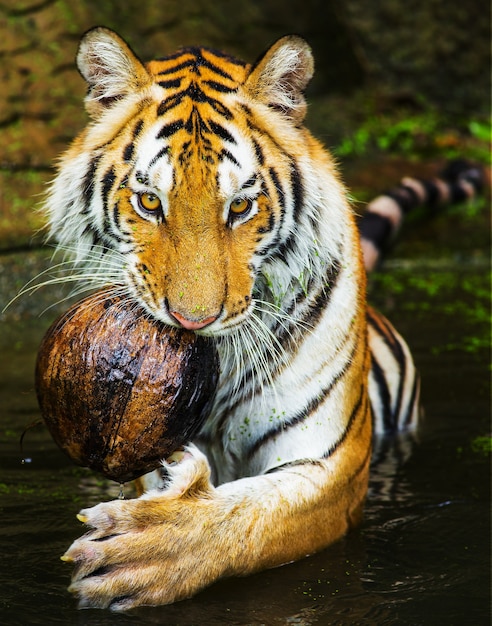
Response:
column 196, row 120
column 200, row 76
column 197, row 79
column 201, row 62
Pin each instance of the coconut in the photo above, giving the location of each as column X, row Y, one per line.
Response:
column 120, row 391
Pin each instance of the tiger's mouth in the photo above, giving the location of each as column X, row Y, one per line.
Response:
column 193, row 324
column 198, row 319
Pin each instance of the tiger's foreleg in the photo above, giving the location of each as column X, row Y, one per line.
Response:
column 170, row 543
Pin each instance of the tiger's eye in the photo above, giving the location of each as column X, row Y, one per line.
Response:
column 240, row 206
column 149, row 202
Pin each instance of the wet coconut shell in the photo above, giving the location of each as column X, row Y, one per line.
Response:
column 120, row 392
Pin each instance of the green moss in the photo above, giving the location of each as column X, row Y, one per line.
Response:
column 462, row 297
column 425, row 133
column 10, row 434
column 482, row 445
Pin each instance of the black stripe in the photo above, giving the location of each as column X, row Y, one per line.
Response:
column 167, row 105
column 432, row 191
column 246, row 110
column 405, row 197
column 184, row 154
column 88, row 183
column 290, row 333
column 461, row 169
column 262, row 230
column 194, row 92
column 219, row 86
column 219, row 108
column 128, row 152
column 297, row 190
column 170, row 84
column 271, row 214
column 259, row 153
column 319, row 303
column 286, row 247
column 224, row 55
column 251, row 182
column 195, row 125
column 228, row 155
column 318, row 462
column 138, row 128
column 108, row 182
column 279, row 189
column 170, row 129
column 411, row 404
column 402, row 361
column 198, row 95
column 348, row 428
column 107, row 185
column 385, row 331
column 291, row 464
column 116, row 215
column 310, row 408
column 215, row 68
column 158, row 156
column 96, row 239
column 394, row 345
column 458, row 193
column 281, row 201
column 384, row 394
column 180, row 66
column 219, row 130
column 125, row 236
column 376, row 228
column 269, row 249
column 475, row 180
column 263, row 132
column 198, row 60
column 391, row 341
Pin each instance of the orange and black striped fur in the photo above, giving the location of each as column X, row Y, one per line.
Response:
column 197, row 192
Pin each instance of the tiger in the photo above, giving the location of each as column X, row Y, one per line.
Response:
column 197, row 192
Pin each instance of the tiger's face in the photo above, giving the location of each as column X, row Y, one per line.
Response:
column 194, row 220
column 190, row 174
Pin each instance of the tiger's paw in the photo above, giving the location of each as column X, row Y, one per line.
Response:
column 151, row 550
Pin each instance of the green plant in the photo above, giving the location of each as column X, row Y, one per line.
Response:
column 425, row 133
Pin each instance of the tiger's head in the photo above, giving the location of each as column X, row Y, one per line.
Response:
column 194, row 187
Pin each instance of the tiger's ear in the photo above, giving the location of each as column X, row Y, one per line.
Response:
column 281, row 75
column 111, row 69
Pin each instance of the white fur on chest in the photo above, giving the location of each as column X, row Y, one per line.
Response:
column 286, row 417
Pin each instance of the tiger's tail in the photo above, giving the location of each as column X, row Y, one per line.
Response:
column 393, row 380
column 460, row 181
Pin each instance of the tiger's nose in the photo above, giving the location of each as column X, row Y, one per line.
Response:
column 192, row 324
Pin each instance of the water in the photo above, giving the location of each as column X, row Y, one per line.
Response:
column 420, row 557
